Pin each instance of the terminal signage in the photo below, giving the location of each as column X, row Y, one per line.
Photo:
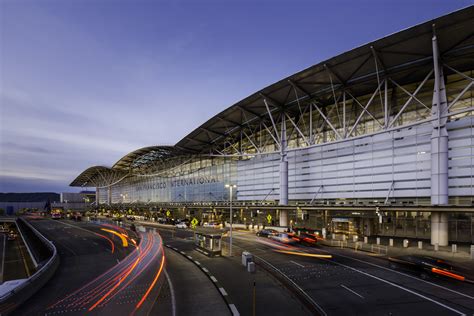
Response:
column 174, row 183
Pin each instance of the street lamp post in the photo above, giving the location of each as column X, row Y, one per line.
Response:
column 230, row 187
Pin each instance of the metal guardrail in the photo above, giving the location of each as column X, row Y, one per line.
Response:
column 12, row 299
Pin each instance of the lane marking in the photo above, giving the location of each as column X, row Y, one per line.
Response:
column 205, row 270
column 234, row 310
column 197, row 262
column 409, row 276
column 173, row 298
column 352, row 291
column 189, row 257
column 182, row 252
column 399, row 287
column 213, row 279
column 298, row 264
column 223, row 292
column 3, row 256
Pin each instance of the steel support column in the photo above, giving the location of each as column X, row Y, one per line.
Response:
column 439, row 136
column 283, row 174
column 439, row 154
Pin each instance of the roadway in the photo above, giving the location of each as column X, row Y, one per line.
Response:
column 366, row 282
column 97, row 275
column 85, row 252
column 16, row 261
column 353, row 283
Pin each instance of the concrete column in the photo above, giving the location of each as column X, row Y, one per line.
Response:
column 439, row 228
column 284, row 218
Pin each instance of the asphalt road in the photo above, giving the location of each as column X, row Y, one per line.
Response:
column 17, row 263
column 84, row 254
column 359, row 284
column 189, row 291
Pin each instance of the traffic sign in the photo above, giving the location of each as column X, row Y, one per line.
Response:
column 269, row 219
column 194, row 222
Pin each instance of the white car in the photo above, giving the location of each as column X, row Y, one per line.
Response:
column 181, row 225
column 283, row 238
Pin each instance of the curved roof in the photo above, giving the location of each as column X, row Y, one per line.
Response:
column 405, row 57
column 143, row 156
column 90, row 176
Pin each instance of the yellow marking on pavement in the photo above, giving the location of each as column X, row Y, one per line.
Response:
column 24, row 259
column 124, row 240
column 304, row 254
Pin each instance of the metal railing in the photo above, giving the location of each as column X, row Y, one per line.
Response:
column 10, row 300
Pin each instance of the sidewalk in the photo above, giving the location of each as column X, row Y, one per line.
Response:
column 462, row 256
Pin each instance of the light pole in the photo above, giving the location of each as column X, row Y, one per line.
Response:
column 230, row 187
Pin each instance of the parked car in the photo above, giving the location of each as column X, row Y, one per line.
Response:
column 181, row 225
column 267, row 232
column 283, row 238
column 210, row 224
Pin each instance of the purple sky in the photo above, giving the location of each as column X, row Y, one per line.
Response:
column 85, row 82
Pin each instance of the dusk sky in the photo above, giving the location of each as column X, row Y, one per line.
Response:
column 83, row 83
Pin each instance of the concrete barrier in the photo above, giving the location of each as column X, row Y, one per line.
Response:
column 15, row 296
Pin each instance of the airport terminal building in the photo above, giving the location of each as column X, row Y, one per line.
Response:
column 378, row 140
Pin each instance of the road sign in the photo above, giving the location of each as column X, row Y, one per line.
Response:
column 168, row 213
column 194, row 222
column 269, row 219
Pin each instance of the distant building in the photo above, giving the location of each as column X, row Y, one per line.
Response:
column 13, row 202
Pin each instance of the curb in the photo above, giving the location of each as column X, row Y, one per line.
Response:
column 220, row 289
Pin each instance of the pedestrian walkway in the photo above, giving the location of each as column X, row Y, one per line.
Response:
column 384, row 247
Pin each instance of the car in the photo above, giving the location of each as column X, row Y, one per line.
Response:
column 12, row 236
column 267, row 232
column 306, row 238
column 181, row 225
column 77, row 216
column 210, row 224
column 284, row 238
column 425, row 266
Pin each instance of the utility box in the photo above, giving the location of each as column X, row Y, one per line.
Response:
column 246, row 258
column 251, row 267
